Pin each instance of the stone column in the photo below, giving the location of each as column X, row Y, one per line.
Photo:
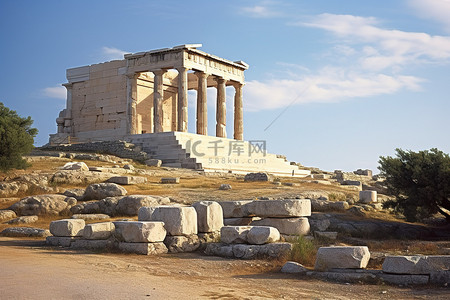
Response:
column 238, row 112
column 182, row 99
column 132, row 124
column 68, row 111
column 202, row 110
column 158, row 98
column 221, row 112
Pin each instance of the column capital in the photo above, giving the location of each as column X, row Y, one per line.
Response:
column 201, row 74
column 237, row 84
column 68, row 85
column 182, row 69
column 220, row 80
column 132, row 75
column 158, row 71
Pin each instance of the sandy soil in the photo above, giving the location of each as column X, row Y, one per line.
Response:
column 30, row 270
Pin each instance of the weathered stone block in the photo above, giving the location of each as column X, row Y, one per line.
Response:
column 139, row 232
column 98, row 191
column 172, row 180
column 237, row 221
column 90, row 217
column 234, row 209
column 417, row 264
column 209, row 216
column 24, row 220
column 143, row 248
column 79, row 166
column 224, row 187
column 25, row 232
column 272, row 250
column 342, row 257
column 258, row 177
column 280, row 208
column 153, row 162
column 405, row 279
column 92, row 244
column 234, row 234
column 177, row 220
column 98, row 231
column 259, row 235
column 67, row 227
column 289, row 226
column 60, row 241
column 326, row 235
column 126, row 180
column 180, row 243
column 367, row 197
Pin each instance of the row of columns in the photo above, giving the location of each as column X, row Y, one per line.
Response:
column 202, row 119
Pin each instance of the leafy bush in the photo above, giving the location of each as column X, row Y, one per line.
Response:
column 420, row 182
column 16, row 139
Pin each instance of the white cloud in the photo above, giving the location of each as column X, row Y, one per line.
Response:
column 330, row 85
column 56, row 92
column 437, row 10
column 265, row 9
column 111, row 53
column 389, row 48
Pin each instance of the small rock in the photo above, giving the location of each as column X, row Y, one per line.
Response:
column 25, row 232
column 7, row 214
column 98, row 191
column 128, row 167
column 225, row 186
column 168, row 180
column 77, row 166
column 293, row 267
column 153, row 162
column 258, row 177
column 24, row 220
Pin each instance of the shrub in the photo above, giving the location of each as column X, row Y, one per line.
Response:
column 420, row 182
column 16, row 139
column 303, row 251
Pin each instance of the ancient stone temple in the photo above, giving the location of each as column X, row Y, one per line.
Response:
column 143, row 99
column 147, row 92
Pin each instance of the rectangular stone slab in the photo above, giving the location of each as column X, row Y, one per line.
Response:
column 178, row 220
column 67, row 227
column 416, row 264
column 139, row 231
column 98, row 231
column 342, row 257
column 289, row 226
column 234, row 209
column 209, row 216
column 280, row 208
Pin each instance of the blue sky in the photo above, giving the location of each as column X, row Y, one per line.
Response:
column 346, row 81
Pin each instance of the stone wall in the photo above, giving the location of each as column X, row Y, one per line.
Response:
column 118, row 148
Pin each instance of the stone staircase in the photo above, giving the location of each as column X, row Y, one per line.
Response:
column 213, row 154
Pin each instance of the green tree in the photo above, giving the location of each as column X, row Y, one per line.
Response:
column 420, row 182
column 16, row 139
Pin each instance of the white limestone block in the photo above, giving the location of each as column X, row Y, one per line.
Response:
column 139, row 231
column 342, row 257
column 234, row 209
column 259, row 235
column 368, row 197
column 209, row 216
column 67, row 227
column 178, row 220
column 98, row 231
column 234, row 234
column 280, row 208
column 143, row 248
column 126, row 180
column 60, row 241
column 80, row 166
column 289, row 226
column 416, row 264
column 293, row 267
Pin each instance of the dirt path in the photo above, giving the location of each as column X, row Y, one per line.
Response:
column 29, row 270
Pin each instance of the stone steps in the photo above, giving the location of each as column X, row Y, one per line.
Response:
column 193, row 151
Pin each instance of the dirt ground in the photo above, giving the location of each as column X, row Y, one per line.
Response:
column 31, row 270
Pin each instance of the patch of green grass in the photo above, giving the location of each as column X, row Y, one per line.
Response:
column 303, row 251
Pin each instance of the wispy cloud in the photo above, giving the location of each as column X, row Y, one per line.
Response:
column 265, row 9
column 383, row 48
column 437, row 10
column 56, row 92
column 111, row 53
column 328, row 86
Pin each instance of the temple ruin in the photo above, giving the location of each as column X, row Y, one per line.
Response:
column 143, row 99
